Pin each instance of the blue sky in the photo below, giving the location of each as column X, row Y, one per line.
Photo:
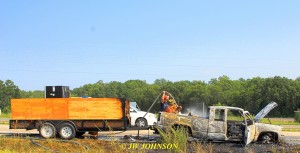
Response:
column 78, row 42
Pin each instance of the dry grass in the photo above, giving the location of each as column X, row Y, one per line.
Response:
column 24, row 144
column 18, row 144
column 180, row 136
column 198, row 147
column 171, row 136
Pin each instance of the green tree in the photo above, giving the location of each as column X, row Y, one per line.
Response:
column 223, row 90
column 8, row 90
column 113, row 89
column 196, row 93
column 96, row 90
column 135, row 90
column 32, row 94
column 251, row 94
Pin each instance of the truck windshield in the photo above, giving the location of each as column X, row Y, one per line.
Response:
column 132, row 109
column 135, row 106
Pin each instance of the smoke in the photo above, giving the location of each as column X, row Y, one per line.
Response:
column 196, row 110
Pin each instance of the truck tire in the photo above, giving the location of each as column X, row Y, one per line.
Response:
column 266, row 138
column 141, row 122
column 47, row 130
column 66, row 131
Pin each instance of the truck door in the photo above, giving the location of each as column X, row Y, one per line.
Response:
column 249, row 129
column 217, row 124
column 235, row 124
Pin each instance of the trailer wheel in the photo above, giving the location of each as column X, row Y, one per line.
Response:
column 67, row 131
column 141, row 122
column 47, row 130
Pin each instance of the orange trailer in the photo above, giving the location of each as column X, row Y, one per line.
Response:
column 69, row 117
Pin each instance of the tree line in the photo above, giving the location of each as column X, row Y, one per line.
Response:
column 250, row 94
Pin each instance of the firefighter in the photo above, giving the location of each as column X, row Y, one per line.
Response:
column 171, row 107
column 164, row 101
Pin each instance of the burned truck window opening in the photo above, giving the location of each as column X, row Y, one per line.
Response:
column 219, row 115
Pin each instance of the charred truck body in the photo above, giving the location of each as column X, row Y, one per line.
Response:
column 224, row 124
column 69, row 117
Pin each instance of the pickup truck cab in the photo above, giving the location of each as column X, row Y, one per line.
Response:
column 224, row 123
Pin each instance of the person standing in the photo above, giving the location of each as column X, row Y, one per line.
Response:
column 164, row 101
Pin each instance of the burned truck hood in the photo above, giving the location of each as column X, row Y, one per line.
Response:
column 265, row 111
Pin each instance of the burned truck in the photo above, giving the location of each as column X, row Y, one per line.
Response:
column 224, row 123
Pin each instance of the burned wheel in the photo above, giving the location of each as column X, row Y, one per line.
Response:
column 141, row 122
column 47, row 130
column 67, row 131
column 266, row 138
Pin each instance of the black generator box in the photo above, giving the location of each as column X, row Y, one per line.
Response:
column 57, row 92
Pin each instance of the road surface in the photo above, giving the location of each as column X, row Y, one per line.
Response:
column 4, row 130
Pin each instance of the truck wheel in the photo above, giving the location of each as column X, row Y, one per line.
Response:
column 141, row 122
column 266, row 138
column 67, row 131
column 47, row 130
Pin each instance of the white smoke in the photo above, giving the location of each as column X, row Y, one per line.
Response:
column 197, row 110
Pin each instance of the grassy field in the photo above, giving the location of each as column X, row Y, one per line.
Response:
column 281, row 121
column 288, row 124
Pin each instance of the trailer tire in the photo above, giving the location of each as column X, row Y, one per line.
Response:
column 47, row 130
column 67, row 131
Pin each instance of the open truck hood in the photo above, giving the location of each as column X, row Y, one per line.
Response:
column 265, row 111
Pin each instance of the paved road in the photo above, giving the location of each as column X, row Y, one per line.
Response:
column 4, row 130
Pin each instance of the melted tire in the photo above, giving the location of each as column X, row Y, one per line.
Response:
column 266, row 138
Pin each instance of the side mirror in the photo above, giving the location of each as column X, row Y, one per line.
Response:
column 131, row 110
